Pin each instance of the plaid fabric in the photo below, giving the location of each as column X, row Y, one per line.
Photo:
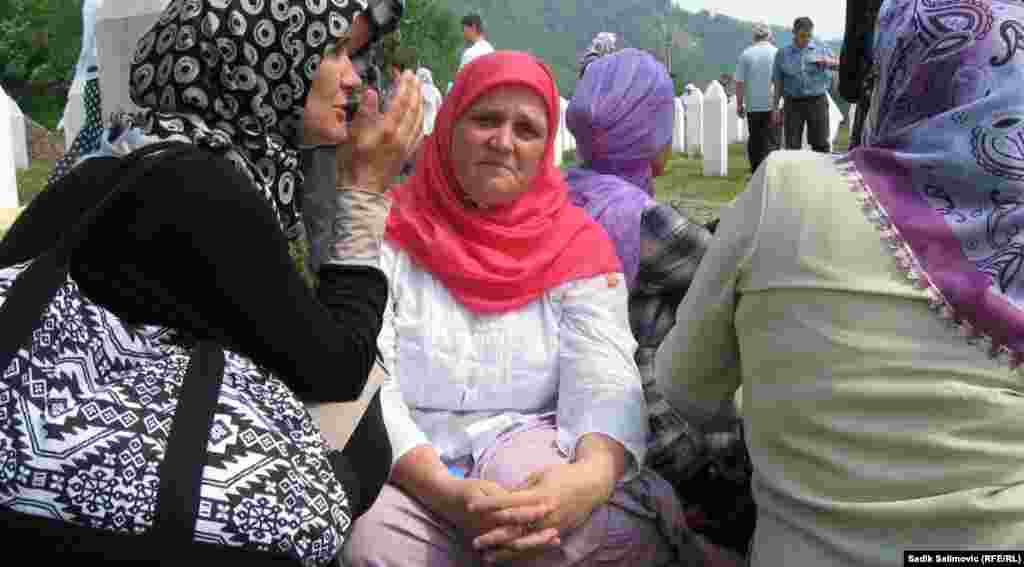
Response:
column 671, row 247
column 710, row 468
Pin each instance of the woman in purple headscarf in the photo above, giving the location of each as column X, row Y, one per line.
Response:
column 881, row 376
column 622, row 116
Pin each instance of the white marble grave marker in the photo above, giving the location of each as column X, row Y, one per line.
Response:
column 74, row 113
column 119, row 27
column 678, row 127
column 694, row 102
column 732, row 121
column 568, row 141
column 8, row 179
column 715, row 144
column 835, row 119
column 19, row 134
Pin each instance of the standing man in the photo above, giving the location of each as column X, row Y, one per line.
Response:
column 476, row 43
column 754, row 95
column 803, row 75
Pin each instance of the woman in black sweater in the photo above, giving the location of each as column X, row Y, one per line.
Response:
column 208, row 231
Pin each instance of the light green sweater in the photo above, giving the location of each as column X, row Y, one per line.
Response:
column 873, row 426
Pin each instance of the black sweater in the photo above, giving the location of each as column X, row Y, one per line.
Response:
column 195, row 232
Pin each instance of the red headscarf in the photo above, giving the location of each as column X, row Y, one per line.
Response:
column 501, row 258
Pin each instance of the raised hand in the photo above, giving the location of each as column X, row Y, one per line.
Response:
column 378, row 144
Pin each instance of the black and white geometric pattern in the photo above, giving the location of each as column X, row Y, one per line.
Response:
column 85, row 414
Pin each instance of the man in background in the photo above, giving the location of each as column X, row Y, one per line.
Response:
column 476, row 43
column 754, row 95
column 803, row 76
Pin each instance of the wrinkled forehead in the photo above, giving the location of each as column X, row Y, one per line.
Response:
column 512, row 101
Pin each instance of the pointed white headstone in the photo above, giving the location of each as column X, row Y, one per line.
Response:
column 851, row 115
column 563, row 129
column 19, row 134
column 560, row 142
column 119, row 27
column 74, row 114
column 8, row 179
column 835, row 118
column 732, row 122
column 679, row 128
column 715, row 146
column 693, row 99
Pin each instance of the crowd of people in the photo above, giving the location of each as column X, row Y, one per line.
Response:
column 561, row 354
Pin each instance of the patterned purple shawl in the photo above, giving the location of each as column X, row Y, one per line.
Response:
column 941, row 170
column 621, row 116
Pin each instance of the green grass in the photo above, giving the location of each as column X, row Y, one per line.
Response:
column 31, row 181
column 684, row 178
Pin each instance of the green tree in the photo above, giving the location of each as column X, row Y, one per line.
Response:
column 430, row 31
column 39, row 39
column 39, row 45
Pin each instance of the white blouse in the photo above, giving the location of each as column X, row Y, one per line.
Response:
column 457, row 380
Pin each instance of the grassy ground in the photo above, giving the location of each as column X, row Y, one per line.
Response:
column 32, row 180
column 684, row 178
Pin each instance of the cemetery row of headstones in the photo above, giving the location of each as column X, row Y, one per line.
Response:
column 705, row 123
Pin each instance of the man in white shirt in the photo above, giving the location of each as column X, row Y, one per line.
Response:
column 754, row 95
column 477, row 44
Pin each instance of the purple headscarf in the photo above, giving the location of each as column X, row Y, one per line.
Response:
column 621, row 116
column 941, row 171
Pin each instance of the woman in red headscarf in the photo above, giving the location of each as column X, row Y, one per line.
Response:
column 513, row 403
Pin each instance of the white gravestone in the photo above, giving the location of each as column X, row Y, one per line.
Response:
column 19, row 134
column 716, row 145
column 694, row 101
column 568, row 140
column 560, row 139
column 74, row 114
column 732, row 131
column 835, row 119
column 8, row 179
column 119, row 27
column 678, row 127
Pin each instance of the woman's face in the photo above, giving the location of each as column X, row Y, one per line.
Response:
column 498, row 144
column 324, row 120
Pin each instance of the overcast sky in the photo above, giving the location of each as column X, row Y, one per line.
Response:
column 829, row 16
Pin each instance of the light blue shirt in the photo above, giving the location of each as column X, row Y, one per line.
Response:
column 755, row 68
column 800, row 76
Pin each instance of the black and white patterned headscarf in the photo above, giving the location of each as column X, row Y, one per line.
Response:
column 232, row 76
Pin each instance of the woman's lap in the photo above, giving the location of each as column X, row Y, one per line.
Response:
column 398, row 530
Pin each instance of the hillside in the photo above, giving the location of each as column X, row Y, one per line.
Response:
column 704, row 46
